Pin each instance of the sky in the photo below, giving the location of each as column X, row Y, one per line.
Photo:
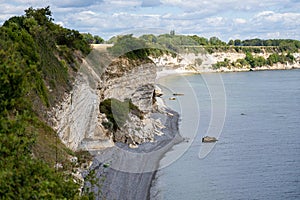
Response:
column 226, row 19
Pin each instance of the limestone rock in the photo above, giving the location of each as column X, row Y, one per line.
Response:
column 209, row 139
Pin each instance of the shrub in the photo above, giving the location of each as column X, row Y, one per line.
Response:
column 117, row 112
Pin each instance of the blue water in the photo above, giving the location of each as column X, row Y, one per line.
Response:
column 258, row 153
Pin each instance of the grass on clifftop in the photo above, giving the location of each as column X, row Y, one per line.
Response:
column 176, row 43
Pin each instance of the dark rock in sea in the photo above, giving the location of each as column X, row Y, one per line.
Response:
column 209, row 139
column 178, row 94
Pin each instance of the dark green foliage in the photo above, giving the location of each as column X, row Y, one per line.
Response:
column 21, row 176
column 259, row 61
column 231, row 42
column 284, row 45
column 280, row 58
column 200, row 40
column 117, row 112
column 216, row 41
column 134, row 48
column 98, row 39
column 29, row 47
column 182, row 43
column 129, row 46
column 88, row 38
column 250, row 59
column 224, row 63
column 72, row 39
column 30, row 61
column 256, row 61
column 237, row 42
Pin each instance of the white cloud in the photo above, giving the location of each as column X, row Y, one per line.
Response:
column 270, row 16
column 239, row 21
column 215, row 21
column 225, row 19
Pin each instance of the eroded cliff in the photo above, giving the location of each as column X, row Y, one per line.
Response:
column 78, row 120
column 203, row 62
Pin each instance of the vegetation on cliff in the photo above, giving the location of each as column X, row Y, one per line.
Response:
column 117, row 112
column 256, row 61
column 38, row 63
column 38, row 60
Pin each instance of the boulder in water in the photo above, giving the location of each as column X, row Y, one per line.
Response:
column 209, row 139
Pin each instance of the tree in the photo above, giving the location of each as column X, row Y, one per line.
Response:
column 199, row 40
column 88, row 38
column 231, row 42
column 42, row 16
column 216, row 41
column 249, row 59
column 30, row 56
column 98, row 39
column 237, row 42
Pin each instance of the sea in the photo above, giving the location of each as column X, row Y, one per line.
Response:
column 256, row 118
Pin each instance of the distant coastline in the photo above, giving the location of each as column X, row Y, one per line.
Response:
column 164, row 73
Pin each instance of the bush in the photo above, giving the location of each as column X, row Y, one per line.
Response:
column 117, row 112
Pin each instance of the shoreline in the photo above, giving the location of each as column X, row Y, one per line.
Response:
column 120, row 184
column 164, row 73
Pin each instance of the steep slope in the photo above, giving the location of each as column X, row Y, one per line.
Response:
column 78, row 120
column 38, row 62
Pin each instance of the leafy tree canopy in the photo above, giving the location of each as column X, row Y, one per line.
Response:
column 35, row 55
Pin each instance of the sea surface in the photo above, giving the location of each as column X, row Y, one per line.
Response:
column 258, row 152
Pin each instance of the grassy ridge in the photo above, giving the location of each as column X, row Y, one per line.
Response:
column 197, row 44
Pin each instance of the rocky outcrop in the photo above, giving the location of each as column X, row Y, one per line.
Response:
column 77, row 119
column 124, row 80
column 207, row 139
column 133, row 80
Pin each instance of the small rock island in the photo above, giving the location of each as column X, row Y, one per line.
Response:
column 207, row 139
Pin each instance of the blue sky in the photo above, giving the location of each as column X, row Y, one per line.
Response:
column 226, row 19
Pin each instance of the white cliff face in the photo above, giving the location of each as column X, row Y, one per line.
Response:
column 124, row 81
column 74, row 115
column 202, row 62
column 187, row 61
column 136, row 84
column 77, row 119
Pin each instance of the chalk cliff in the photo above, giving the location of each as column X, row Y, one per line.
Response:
column 77, row 119
column 202, row 62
